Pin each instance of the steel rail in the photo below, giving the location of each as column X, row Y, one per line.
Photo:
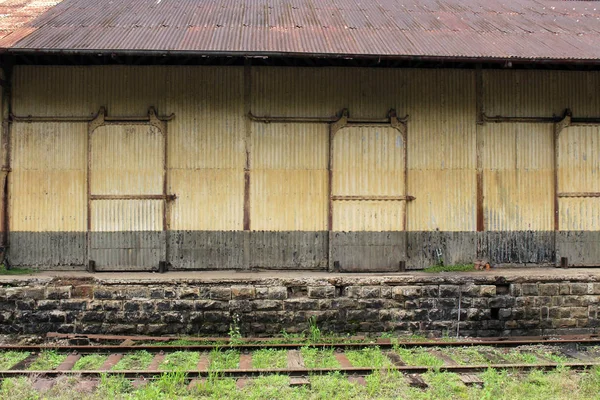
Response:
column 243, row 373
column 361, row 338
column 84, row 349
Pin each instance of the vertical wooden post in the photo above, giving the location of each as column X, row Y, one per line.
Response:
column 479, row 146
column 6, row 156
column 97, row 122
column 558, row 127
column 333, row 128
column 247, row 151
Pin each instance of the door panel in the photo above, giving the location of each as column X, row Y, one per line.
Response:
column 127, row 203
column 127, row 160
column 579, row 195
column 368, row 189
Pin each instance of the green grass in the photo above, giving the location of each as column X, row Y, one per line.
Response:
column 180, row 361
column 538, row 385
column 418, row 356
column 228, row 359
column 317, row 358
column 442, row 385
column 468, row 355
column 386, row 385
column 562, row 383
column 113, row 387
column 269, row 358
column 16, row 271
column 368, row 357
column 171, row 385
column 450, row 268
column 138, row 360
column 90, row 362
column 520, row 357
column 413, row 338
column 10, row 358
column 273, row 387
column 47, row 360
column 554, row 357
column 216, row 388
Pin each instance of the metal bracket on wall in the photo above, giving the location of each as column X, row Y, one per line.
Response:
column 344, row 121
column 338, row 121
column 102, row 119
column 564, row 122
column 579, row 194
column 99, row 119
column 373, row 198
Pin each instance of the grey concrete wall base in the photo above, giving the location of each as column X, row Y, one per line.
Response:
column 368, row 251
column 581, row 248
column 516, row 247
column 294, row 250
column 113, row 251
column 288, row 250
column 453, row 247
column 47, row 248
column 207, row 250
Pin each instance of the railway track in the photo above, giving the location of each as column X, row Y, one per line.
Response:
column 355, row 360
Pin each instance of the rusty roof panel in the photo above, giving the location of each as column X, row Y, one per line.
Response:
column 474, row 29
column 16, row 14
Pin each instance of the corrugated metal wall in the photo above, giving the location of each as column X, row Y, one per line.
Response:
column 127, row 215
column 535, row 93
column 206, row 148
column 518, row 176
column 205, row 142
column 82, row 90
column 318, row 92
column 288, row 162
column 289, row 188
column 529, row 93
column 441, row 130
column 47, row 182
column 127, row 160
column 441, row 150
column 368, row 162
column 579, row 172
column 47, row 200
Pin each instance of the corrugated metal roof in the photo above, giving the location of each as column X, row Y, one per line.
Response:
column 480, row 29
column 15, row 14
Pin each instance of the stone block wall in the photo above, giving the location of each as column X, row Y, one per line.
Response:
column 432, row 305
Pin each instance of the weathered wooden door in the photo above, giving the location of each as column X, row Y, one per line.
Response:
column 127, row 201
column 578, row 187
column 368, row 198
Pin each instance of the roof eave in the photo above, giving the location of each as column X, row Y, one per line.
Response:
column 273, row 54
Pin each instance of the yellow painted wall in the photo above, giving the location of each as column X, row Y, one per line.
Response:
column 47, row 183
column 368, row 161
column 533, row 93
column 205, row 140
column 206, row 143
column 441, row 151
column 289, row 189
column 127, row 160
column 579, row 172
column 518, row 178
column 441, row 129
